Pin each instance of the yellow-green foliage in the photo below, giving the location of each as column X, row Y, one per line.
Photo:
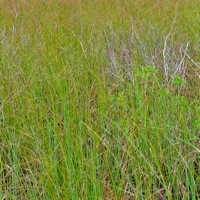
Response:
column 99, row 99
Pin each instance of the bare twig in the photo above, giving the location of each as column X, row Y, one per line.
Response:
column 197, row 64
column 182, row 60
column 165, row 63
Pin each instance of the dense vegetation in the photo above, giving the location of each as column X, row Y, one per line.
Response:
column 99, row 99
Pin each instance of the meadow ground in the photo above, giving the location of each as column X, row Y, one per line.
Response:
column 99, row 99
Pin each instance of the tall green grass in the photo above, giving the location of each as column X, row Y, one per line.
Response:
column 99, row 99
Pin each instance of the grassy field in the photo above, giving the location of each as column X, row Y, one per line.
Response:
column 99, row 99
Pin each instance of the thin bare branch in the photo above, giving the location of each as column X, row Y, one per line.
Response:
column 165, row 63
column 182, row 60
